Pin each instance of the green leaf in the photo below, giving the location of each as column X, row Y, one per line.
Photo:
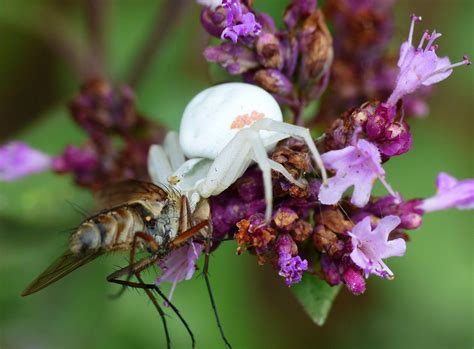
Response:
column 316, row 297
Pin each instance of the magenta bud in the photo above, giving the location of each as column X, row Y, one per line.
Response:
column 397, row 140
column 354, row 281
column 411, row 220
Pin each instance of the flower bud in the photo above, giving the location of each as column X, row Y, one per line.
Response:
column 298, row 10
column 233, row 58
column 269, row 51
column 316, row 48
column 397, row 139
column 285, row 244
column 273, row 81
column 214, row 21
column 330, row 270
column 354, row 281
column 290, row 51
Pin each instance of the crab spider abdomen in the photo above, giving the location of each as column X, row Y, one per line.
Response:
column 215, row 115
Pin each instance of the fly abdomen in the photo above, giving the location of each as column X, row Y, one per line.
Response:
column 107, row 231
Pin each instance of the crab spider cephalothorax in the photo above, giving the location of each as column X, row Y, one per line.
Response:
column 223, row 130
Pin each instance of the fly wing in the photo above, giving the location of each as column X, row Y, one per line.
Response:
column 129, row 191
column 65, row 264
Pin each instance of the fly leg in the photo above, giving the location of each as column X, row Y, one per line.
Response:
column 135, row 269
column 153, row 246
column 205, row 273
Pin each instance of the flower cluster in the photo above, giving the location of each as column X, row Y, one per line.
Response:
column 365, row 94
column 322, row 230
column 293, row 64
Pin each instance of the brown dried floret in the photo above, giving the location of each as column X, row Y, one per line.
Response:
column 334, row 220
column 327, row 241
column 253, row 235
column 284, row 218
column 301, row 230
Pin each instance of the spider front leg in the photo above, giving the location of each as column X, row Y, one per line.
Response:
column 231, row 163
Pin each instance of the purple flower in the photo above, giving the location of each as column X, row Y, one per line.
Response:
column 18, row 160
column 291, row 268
column 356, row 166
column 371, row 246
column 450, row 193
column 421, row 66
column 240, row 22
column 179, row 265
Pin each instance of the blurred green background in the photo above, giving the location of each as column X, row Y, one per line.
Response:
column 428, row 305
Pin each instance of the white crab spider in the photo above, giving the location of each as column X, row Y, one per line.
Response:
column 223, row 130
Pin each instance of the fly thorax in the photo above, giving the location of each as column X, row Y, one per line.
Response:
column 166, row 227
column 153, row 207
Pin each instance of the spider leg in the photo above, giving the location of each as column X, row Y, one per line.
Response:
column 275, row 166
column 147, row 239
column 261, row 158
column 205, row 273
column 228, row 166
column 234, row 159
column 136, row 269
column 293, row 130
column 147, row 289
